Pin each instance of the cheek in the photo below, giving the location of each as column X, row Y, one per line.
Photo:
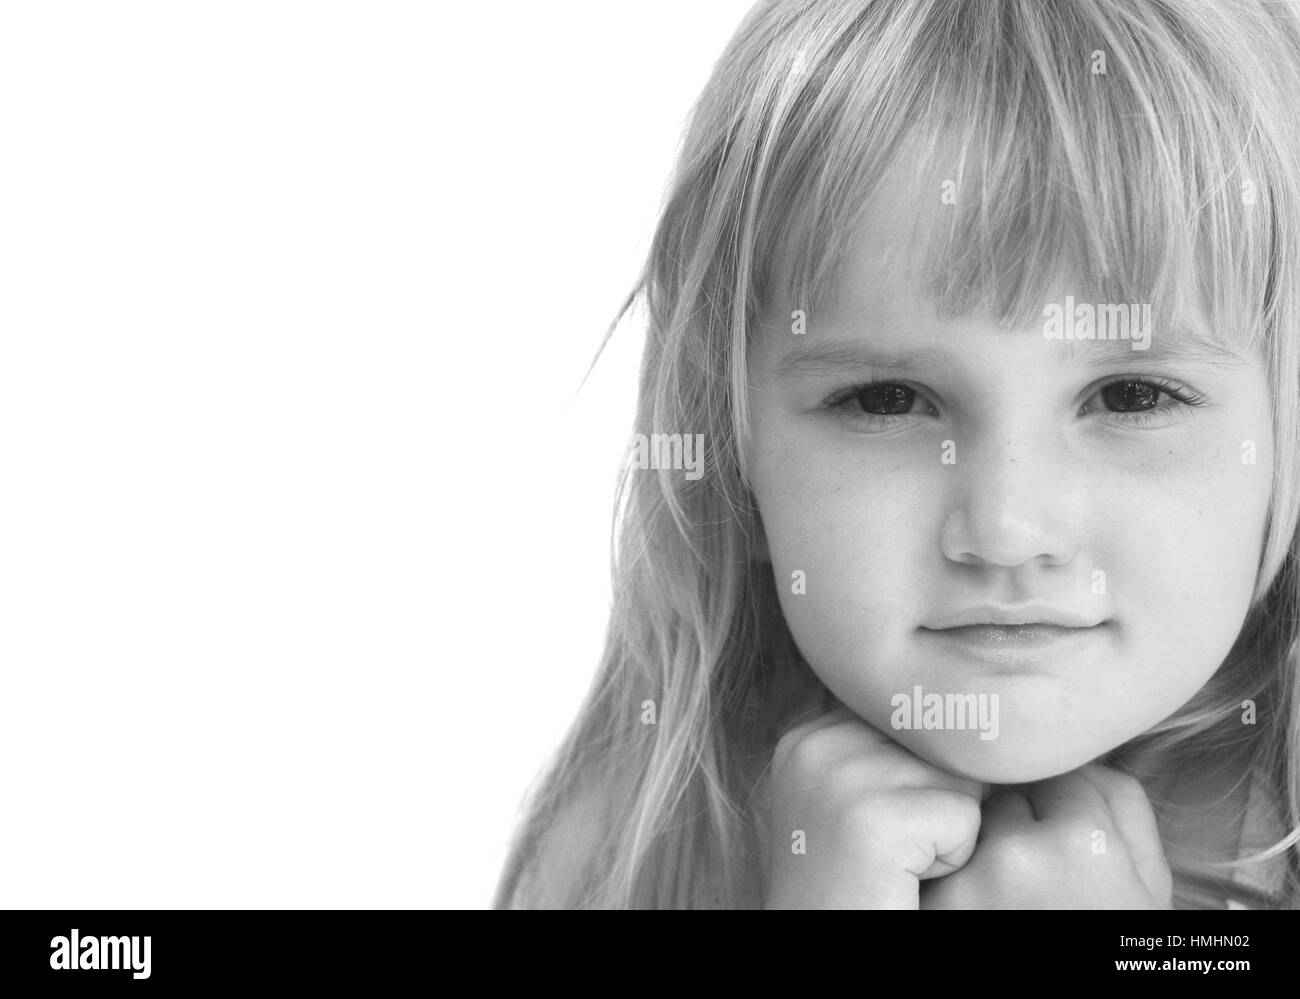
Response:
column 851, row 551
column 1182, row 551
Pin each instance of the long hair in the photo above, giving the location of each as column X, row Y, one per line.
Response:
column 1151, row 143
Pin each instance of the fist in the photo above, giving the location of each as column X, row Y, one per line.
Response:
column 1085, row 840
column 858, row 822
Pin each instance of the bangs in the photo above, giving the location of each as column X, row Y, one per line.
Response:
column 1129, row 146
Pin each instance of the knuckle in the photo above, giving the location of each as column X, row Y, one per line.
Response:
column 806, row 755
column 965, row 810
column 1127, row 789
column 1064, row 831
column 785, row 749
column 869, row 819
column 1017, row 856
column 1126, row 783
column 843, row 785
column 803, row 761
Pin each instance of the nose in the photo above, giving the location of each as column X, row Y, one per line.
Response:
column 1017, row 500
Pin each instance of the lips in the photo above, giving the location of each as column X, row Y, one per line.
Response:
column 1028, row 635
column 1033, row 616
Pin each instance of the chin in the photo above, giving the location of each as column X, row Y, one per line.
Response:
column 1000, row 761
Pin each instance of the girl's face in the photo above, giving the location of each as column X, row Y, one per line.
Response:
column 1111, row 501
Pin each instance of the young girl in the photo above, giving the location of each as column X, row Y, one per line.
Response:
column 983, row 314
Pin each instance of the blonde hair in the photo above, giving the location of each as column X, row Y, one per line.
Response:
column 1137, row 176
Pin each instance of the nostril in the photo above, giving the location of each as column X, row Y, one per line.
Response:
column 1000, row 541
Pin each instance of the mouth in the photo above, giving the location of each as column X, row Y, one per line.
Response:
column 1033, row 616
column 1027, row 643
column 1032, row 634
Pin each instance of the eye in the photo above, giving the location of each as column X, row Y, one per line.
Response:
column 1141, row 401
column 880, row 405
column 886, row 400
column 1130, row 397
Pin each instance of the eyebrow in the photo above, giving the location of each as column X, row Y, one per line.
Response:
column 834, row 356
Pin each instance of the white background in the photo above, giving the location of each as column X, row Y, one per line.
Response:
column 304, row 524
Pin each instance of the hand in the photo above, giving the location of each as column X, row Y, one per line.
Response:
column 1084, row 840
column 873, row 820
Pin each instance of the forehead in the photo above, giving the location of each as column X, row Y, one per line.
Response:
column 878, row 292
column 883, row 258
column 882, row 282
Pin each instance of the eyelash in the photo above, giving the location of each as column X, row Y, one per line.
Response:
column 843, row 401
